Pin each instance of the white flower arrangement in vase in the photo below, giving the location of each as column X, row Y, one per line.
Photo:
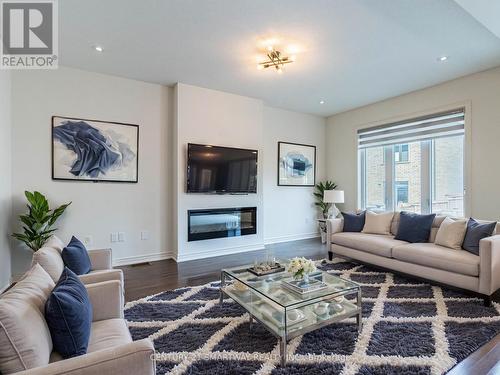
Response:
column 301, row 268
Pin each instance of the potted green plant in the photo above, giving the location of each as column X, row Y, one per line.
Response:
column 39, row 221
column 319, row 191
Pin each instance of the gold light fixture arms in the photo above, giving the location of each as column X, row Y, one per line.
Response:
column 275, row 60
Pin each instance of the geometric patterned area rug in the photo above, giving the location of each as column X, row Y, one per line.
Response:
column 409, row 327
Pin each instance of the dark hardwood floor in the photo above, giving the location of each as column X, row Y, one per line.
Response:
column 146, row 279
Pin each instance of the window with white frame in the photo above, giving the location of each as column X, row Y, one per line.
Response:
column 401, row 153
column 415, row 165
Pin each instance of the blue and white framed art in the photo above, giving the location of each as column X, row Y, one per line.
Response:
column 296, row 164
column 92, row 150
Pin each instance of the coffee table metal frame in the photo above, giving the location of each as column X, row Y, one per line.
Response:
column 284, row 335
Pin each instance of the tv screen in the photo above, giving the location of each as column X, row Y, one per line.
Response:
column 214, row 169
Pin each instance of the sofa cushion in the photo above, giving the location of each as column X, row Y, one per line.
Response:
column 353, row 222
column 414, row 228
column 51, row 261
column 76, row 257
column 475, row 233
column 107, row 334
column 55, row 242
column 451, row 233
column 395, row 223
column 25, row 340
column 435, row 256
column 432, row 236
column 69, row 316
column 378, row 223
column 371, row 243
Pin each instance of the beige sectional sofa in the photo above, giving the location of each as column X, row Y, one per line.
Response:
column 459, row 268
column 26, row 344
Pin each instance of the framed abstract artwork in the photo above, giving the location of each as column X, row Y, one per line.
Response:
column 92, row 150
column 296, row 164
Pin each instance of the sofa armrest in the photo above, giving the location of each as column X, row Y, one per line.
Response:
column 100, row 276
column 133, row 358
column 101, row 259
column 489, row 265
column 107, row 300
column 333, row 226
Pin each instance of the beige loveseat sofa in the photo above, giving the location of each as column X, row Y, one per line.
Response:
column 459, row 268
column 26, row 344
column 49, row 257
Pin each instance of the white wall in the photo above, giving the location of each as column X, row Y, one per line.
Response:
column 200, row 116
column 481, row 91
column 98, row 208
column 5, row 179
column 213, row 117
column 289, row 212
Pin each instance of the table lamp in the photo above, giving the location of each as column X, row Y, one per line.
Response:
column 333, row 196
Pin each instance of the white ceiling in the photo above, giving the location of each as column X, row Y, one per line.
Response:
column 356, row 52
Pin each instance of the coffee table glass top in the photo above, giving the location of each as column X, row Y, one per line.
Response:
column 286, row 313
column 270, row 286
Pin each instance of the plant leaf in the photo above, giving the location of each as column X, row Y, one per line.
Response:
column 38, row 222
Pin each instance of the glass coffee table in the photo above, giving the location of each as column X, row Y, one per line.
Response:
column 286, row 313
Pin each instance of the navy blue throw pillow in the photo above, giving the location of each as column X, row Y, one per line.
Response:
column 414, row 228
column 353, row 222
column 68, row 313
column 475, row 233
column 76, row 257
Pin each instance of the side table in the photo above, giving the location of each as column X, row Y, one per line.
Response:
column 322, row 229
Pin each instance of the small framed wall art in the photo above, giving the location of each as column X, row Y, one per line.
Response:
column 296, row 164
column 92, row 150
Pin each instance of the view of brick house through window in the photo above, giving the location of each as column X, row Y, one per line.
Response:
column 401, row 192
column 401, row 153
column 420, row 175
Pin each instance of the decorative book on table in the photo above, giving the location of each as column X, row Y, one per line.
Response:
column 302, row 287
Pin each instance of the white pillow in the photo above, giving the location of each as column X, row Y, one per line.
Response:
column 51, row 261
column 451, row 233
column 55, row 242
column 378, row 223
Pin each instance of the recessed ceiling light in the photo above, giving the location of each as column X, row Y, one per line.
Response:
column 443, row 58
column 321, row 102
column 98, row 48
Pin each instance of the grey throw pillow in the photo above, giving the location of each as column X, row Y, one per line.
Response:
column 475, row 233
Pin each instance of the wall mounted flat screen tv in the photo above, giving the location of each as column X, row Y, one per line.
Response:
column 221, row 170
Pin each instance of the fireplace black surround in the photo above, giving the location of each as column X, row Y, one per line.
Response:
column 221, row 222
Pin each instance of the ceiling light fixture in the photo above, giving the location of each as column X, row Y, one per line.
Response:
column 98, row 48
column 321, row 102
column 443, row 58
column 275, row 60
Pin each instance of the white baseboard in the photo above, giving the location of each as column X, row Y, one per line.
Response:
column 125, row 261
column 142, row 259
column 293, row 237
column 218, row 252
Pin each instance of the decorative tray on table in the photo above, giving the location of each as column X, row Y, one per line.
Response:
column 266, row 269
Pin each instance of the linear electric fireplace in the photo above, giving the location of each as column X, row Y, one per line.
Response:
column 221, row 222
